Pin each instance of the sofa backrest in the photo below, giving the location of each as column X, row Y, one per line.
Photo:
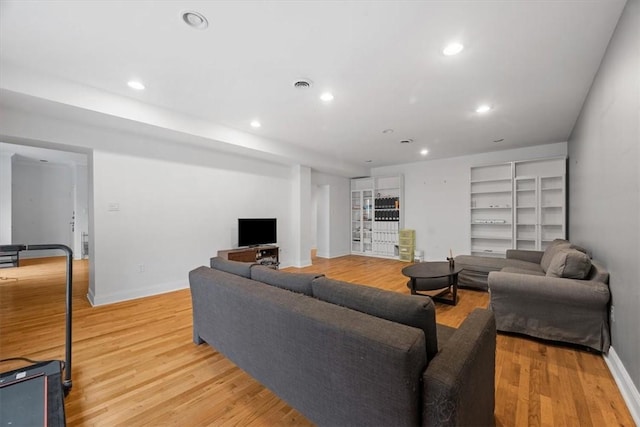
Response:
column 296, row 282
column 418, row 312
column 234, row 267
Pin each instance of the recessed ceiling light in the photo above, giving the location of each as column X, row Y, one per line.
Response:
column 368, row 161
column 195, row 20
column 406, row 141
column 452, row 49
column 424, row 152
column 255, row 124
column 498, row 140
column 134, row 84
column 44, row 161
column 387, row 131
column 483, row 108
column 326, row 97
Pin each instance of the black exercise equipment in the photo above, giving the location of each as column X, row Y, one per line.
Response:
column 34, row 395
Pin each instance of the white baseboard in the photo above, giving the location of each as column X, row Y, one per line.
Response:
column 329, row 255
column 625, row 384
column 161, row 288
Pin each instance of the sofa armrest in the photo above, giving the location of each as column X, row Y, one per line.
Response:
column 459, row 383
column 529, row 256
column 552, row 308
column 553, row 290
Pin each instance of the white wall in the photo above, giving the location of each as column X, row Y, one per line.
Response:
column 172, row 217
column 300, row 224
column 315, row 193
column 436, row 196
column 42, row 204
column 323, row 221
column 5, row 197
column 333, row 215
column 604, row 199
column 81, row 203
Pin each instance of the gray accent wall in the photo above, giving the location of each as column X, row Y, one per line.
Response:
column 604, row 195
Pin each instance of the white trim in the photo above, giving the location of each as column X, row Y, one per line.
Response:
column 160, row 288
column 625, row 384
column 328, row 255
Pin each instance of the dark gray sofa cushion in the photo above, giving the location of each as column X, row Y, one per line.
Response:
column 234, row 267
column 296, row 282
column 418, row 312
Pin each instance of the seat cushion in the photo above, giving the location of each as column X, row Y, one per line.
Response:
column 523, row 271
column 476, row 268
column 482, row 264
column 523, row 266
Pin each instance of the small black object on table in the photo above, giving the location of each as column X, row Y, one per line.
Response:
column 431, row 276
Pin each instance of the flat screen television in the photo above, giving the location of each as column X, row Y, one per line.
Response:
column 257, row 231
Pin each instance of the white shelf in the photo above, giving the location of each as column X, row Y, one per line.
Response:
column 492, row 192
column 492, row 237
column 491, row 223
column 491, row 180
column 489, row 251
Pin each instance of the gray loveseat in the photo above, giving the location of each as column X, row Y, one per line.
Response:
column 345, row 354
column 559, row 294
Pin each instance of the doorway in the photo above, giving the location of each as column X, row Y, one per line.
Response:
column 47, row 195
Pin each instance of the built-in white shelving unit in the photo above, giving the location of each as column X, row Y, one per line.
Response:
column 362, row 216
column 376, row 215
column 491, row 209
column 518, row 205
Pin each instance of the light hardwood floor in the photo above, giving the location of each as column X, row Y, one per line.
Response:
column 134, row 362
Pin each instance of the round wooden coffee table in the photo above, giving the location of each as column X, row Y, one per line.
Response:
column 431, row 276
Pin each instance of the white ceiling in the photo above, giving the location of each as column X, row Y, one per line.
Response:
column 532, row 61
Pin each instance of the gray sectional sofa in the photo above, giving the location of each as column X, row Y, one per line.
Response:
column 559, row 294
column 345, row 354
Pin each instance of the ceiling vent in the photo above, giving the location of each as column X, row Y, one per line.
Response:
column 302, row 84
column 195, row 20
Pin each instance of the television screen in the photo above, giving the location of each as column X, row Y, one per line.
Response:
column 257, row 231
